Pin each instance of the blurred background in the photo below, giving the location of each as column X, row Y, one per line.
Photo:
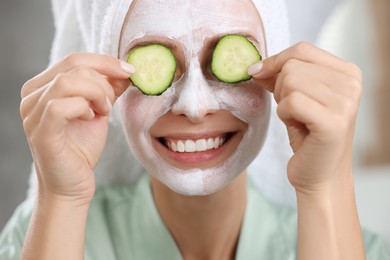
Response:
column 26, row 31
column 353, row 29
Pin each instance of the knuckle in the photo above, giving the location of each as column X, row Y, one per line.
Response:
column 289, row 83
column 72, row 59
column 355, row 70
column 100, row 93
column 52, row 108
column 60, row 79
column 29, row 127
column 294, row 100
column 26, row 125
column 25, row 90
column 349, row 109
column 291, row 65
column 356, row 89
column 84, row 71
column 301, row 48
column 23, row 108
column 290, row 80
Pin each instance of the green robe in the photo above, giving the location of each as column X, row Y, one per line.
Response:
column 123, row 223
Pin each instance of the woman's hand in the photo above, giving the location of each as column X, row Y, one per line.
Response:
column 65, row 117
column 318, row 96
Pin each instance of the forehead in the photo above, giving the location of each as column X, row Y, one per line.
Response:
column 178, row 18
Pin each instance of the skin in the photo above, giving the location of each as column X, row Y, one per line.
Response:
column 197, row 105
column 66, row 140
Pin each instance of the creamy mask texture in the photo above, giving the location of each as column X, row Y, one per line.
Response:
column 191, row 24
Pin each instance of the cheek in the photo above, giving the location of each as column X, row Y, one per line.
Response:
column 139, row 111
column 132, row 108
column 247, row 101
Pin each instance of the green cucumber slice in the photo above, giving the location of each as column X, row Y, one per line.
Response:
column 232, row 57
column 155, row 67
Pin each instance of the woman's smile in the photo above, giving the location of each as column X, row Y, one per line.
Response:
column 186, row 145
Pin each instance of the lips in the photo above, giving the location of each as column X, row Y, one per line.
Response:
column 195, row 145
column 187, row 150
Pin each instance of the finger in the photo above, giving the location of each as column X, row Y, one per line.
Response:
column 59, row 110
column 336, row 81
column 304, row 52
column 103, row 64
column 113, row 87
column 119, row 86
column 74, row 87
column 302, row 109
column 29, row 102
column 81, row 81
column 304, row 84
column 319, row 83
column 314, row 90
column 267, row 83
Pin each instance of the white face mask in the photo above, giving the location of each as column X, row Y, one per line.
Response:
column 196, row 106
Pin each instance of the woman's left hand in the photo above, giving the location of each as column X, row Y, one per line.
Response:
column 318, row 96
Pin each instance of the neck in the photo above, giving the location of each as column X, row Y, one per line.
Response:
column 204, row 227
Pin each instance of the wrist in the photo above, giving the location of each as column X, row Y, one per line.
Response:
column 78, row 198
column 57, row 229
column 50, row 200
column 328, row 222
column 339, row 183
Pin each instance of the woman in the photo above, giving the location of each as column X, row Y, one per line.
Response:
column 194, row 205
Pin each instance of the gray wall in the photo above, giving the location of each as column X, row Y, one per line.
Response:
column 26, row 31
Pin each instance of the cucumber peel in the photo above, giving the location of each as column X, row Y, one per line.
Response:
column 155, row 68
column 232, row 57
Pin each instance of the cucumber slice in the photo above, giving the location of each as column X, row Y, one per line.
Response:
column 232, row 57
column 155, row 67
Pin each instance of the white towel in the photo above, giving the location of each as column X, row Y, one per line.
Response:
column 95, row 26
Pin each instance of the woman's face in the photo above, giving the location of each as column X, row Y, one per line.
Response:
column 200, row 133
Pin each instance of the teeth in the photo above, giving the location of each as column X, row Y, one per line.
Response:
column 173, row 146
column 191, row 146
column 210, row 144
column 216, row 143
column 201, row 145
column 180, row 147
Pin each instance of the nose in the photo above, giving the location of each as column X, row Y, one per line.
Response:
column 196, row 99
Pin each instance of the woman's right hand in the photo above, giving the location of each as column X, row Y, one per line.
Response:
column 65, row 117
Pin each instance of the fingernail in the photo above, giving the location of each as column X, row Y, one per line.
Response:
column 255, row 68
column 128, row 68
column 108, row 103
column 92, row 113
